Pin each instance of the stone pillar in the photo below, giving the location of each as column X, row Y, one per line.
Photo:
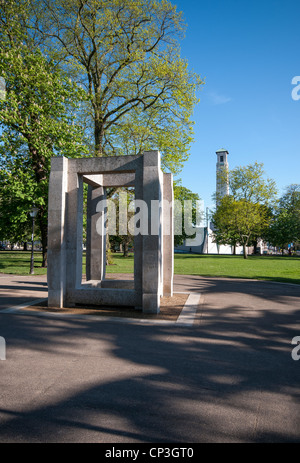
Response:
column 168, row 235
column 56, row 272
column 73, row 230
column 138, row 240
column 95, row 241
column 151, row 243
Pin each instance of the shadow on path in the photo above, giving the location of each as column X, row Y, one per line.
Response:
column 229, row 378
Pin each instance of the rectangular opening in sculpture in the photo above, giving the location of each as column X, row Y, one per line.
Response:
column 108, row 232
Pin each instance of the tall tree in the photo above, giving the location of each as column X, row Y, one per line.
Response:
column 126, row 54
column 37, row 113
column 141, row 131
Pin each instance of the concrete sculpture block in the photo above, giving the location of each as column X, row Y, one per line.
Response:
column 153, row 238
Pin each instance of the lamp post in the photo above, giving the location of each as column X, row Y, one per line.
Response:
column 33, row 214
column 207, row 219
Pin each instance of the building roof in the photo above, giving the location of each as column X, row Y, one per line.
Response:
column 222, row 150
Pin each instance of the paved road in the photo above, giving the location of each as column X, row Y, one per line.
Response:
column 228, row 378
column 19, row 289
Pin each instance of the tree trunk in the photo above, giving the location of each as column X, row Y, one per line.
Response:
column 245, row 251
column 45, row 257
column 98, row 135
column 25, row 247
column 125, row 250
column 40, row 175
column 44, row 239
column 107, row 250
column 255, row 247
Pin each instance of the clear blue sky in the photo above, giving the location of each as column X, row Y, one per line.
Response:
column 247, row 52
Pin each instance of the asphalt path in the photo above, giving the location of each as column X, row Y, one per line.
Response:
column 229, row 377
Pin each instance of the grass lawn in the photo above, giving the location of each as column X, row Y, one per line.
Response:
column 18, row 262
column 273, row 268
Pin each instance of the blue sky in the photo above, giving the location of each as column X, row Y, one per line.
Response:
column 248, row 53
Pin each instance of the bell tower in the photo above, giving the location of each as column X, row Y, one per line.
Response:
column 222, row 184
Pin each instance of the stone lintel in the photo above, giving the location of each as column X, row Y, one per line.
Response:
column 101, row 165
column 118, row 180
column 110, row 180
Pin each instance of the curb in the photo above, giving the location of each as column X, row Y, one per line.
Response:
column 186, row 317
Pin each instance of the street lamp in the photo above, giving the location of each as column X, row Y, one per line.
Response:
column 33, row 214
column 207, row 222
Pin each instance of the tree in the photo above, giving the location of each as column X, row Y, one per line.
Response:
column 284, row 230
column 290, row 201
column 141, row 131
column 249, row 183
column 239, row 222
column 126, row 54
column 182, row 195
column 36, row 115
column 125, row 57
column 243, row 216
column 225, row 231
column 285, row 224
column 15, row 200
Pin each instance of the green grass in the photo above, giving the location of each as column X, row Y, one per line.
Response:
column 121, row 264
column 18, row 262
column 273, row 268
